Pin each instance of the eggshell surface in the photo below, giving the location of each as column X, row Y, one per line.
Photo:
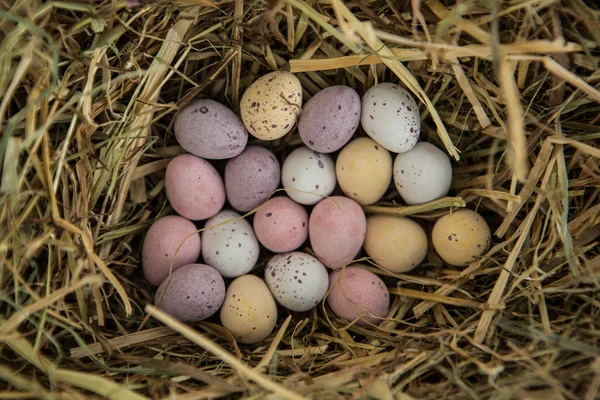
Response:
column 194, row 292
column 281, row 225
column 308, row 176
column 337, row 227
column 460, row 237
column 390, row 116
column 271, row 105
column 298, row 281
column 330, row 118
column 249, row 311
column 194, row 187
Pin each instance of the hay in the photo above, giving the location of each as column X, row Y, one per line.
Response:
column 90, row 89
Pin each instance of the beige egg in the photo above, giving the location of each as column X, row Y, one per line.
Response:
column 249, row 311
column 271, row 105
column 364, row 170
column 460, row 237
column 397, row 244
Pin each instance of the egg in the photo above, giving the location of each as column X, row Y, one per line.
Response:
column 422, row 174
column 298, row 281
column 337, row 227
column 251, row 177
column 364, row 170
column 356, row 292
column 281, row 225
column 461, row 237
column 194, row 188
column 271, row 105
column 329, row 119
column 231, row 248
column 249, row 311
column 397, row 244
column 208, row 129
column 161, row 244
column 390, row 116
column 308, row 176
column 192, row 293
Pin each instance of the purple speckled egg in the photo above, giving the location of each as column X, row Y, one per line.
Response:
column 281, row 225
column 194, row 187
column 330, row 118
column 358, row 293
column 337, row 229
column 194, row 292
column 161, row 243
column 251, row 177
column 208, row 129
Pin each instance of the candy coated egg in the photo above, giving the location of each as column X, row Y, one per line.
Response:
column 460, row 237
column 390, row 116
column 364, row 170
column 194, row 187
column 329, row 119
column 161, row 242
column 281, row 225
column 337, row 228
column 308, row 176
column 271, row 105
column 249, row 311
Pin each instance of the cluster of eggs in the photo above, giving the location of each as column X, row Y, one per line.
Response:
column 336, row 226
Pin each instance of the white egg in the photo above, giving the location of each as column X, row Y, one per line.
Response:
column 308, row 176
column 422, row 174
column 298, row 281
column 390, row 117
column 232, row 248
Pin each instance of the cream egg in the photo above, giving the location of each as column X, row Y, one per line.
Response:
column 308, row 176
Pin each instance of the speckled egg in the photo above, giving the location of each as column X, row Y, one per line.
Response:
column 358, row 293
column 460, row 237
column 281, row 225
column 161, row 243
column 209, row 129
column 308, row 176
column 330, row 118
column 194, row 187
column 271, row 105
column 251, row 177
column 231, row 248
column 249, row 311
column 390, row 116
column 364, row 170
column 337, row 228
column 397, row 244
column 422, row 174
column 194, row 292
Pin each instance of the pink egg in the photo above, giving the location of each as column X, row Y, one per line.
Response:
column 358, row 292
column 161, row 243
column 194, row 187
column 337, row 229
column 281, row 225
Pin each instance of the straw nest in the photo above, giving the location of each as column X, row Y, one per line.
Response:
column 90, row 89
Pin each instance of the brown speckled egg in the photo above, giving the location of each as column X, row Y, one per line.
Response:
column 337, row 228
column 161, row 243
column 251, row 177
column 194, row 292
column 271, row 105
column 358, row 293
column 460, row 237
column 208, row 129
column 281, row 225
column 194, row 187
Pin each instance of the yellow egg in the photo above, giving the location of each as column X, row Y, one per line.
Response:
column 271, row 105
column 364, row 170
column 395, row 243
column 249, row 311
column 460, row 237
